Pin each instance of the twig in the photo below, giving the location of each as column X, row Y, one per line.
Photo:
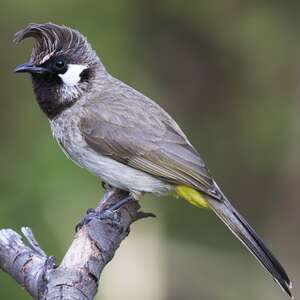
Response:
column 78, row 275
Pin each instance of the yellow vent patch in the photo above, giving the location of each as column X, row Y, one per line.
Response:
column 191, row 195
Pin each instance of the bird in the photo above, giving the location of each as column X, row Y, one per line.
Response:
column 123, row 137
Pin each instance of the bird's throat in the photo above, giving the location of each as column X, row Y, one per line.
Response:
column 49, row 98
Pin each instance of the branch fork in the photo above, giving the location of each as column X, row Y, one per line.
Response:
column 78, row 275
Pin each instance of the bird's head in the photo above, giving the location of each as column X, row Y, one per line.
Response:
column 63, row 65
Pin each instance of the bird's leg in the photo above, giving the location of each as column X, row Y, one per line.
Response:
column 116, row 206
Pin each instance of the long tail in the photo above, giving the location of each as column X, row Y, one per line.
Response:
column 243, row 231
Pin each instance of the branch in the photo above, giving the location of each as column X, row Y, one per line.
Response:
column 77, row 276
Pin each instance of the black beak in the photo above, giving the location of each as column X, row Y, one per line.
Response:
column 30, row 68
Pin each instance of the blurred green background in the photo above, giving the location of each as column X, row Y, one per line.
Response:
column 228, row 71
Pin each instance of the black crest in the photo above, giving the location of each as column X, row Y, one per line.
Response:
column 53, row 40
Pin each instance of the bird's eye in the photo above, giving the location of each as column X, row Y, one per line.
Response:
column 59, row 65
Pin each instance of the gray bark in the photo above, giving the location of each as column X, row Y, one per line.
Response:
column 77, row 277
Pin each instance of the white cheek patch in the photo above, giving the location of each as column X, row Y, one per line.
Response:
column 72, row 76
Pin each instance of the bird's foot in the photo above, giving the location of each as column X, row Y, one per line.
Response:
column 110, row 214
column 111, row 217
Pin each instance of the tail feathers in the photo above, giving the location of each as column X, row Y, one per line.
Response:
column 242, row 230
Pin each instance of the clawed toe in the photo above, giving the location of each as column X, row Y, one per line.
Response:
column 109, row 216
column 86, row 219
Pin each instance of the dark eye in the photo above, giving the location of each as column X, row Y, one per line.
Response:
column 59, row 65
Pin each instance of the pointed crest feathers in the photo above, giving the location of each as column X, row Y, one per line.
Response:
column 52, row 39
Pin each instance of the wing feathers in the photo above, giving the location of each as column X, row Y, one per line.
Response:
column 136, row 131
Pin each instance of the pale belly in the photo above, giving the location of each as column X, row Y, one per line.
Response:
column 106, row 169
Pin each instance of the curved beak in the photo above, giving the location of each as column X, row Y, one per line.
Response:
column 30, row 68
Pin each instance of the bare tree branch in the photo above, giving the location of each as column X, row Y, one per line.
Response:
column 77, row 276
